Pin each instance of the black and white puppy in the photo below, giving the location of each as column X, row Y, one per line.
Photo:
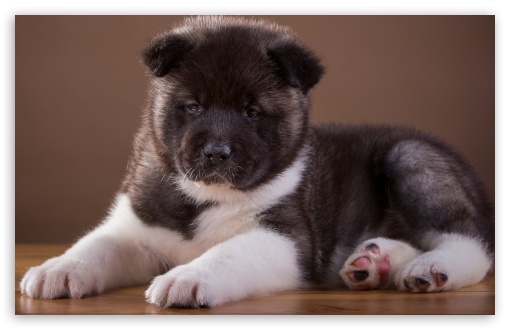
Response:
column 230, row 191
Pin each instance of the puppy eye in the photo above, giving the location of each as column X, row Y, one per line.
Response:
column 252, row 113
column 194, row 108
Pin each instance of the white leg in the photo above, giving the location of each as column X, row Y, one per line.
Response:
column 375, row 262
column 453, row 262
column 255, row 263
column 105, row 258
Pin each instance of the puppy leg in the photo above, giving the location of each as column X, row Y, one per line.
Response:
column 455, row 261
column 443, row 208
column 375, row 262
column 255, row 263
column 105, row 258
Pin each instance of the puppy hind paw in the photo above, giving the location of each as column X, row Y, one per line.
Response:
column 375, row 262
column 438, row 279
column 366, row 269
column 423, row 275
column 435, row 281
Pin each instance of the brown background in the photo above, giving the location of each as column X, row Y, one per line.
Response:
column 80, row 88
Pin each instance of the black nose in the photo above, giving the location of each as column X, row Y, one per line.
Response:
column 217, row 153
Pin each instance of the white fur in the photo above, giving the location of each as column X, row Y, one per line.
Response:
column 118, row 252
column 124, row 251
column 463, row 259
column 256, row 263
column 259, row 199
column 398, row 252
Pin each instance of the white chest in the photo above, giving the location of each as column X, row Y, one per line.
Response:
column 221, row 223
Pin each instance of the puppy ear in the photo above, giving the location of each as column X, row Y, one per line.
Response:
column 165, row 52
column 298, row 66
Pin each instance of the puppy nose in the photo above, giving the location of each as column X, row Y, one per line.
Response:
column 217, row 153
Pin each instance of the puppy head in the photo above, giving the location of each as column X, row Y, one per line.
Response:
column 229, row 99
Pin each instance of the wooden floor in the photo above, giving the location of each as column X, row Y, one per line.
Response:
column 478, row 299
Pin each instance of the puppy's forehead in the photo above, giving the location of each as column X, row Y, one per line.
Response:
column 229, row 61
column 231, row 47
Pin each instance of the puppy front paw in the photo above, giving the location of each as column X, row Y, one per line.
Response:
column 375, row 262
column 185, row 286
column 60, row 277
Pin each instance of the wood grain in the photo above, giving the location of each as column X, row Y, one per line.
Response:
column 478, row 299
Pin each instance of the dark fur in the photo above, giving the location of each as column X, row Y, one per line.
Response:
column 381, row 180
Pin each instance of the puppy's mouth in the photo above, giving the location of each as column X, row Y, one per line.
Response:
column 213, row 179
column 201, row 176
column 203, row 169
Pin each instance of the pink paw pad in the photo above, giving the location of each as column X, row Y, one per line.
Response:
column 368, row 270
column 423, row 285
column 362, row 262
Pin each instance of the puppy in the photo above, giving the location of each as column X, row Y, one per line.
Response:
column 230, row 191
